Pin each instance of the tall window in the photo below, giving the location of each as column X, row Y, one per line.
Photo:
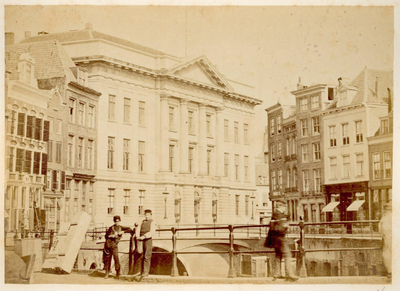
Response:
column 245, row 133
column 70, row 150
column 288, row 146
column 317, row 151
column 315, row 124
column 50, row 151
column 304, row 127
column 111, row 107
column 208, row 125
column 110, row 157
column 127, row 152
column 208, row 162
column 280, row 179
column 11, row 161
column 272, row 126
column 384, row 126
column 72, row 103
column 360, row 164
column 28, row 162
column 314, row 102
column 376, row 158
column 346, row 166
column 91, row 116
column 295, row 178
column 303, row 104
column 246, row 168
column 226, row 129
column 171, row 118
column 127, row 110
column 191, row 159
column 191, row 121
column 294, row 145
column 90, row 155
column 13, row 122
column 236, row 126
column 237, row 197
column 306, row 181
column 226, row 164
column 111, row 196
column 127, row 201
column 304, row 152
column 83, row 195
column 359, row 134
column 237, row 167
column 278, row 124
column 332, row 136
column 279, row 149
column 345, row 133
column 171, row 157
column 273, row 153
column 273, row 180
column 387, row 164
column 288, row 178
column 80, row 153
column 317, row 180
column 141, row 156
column 333, row 167
column 142, row 113
column 246, row 205
column 81, row 114
column 58, row 152
column 142, row 194
column 21, row 124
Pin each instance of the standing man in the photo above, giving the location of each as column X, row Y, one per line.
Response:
column 277, row 239
column 113, row 236
column 385, row 228
column 147, row 229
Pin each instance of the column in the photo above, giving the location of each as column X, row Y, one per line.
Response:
column 202, row 153
column 164, row 143
column 183, row 137
column 219, row 142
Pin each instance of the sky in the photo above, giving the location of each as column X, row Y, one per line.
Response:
column 268, row 47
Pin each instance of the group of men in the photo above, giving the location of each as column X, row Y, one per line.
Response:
column 142, row 238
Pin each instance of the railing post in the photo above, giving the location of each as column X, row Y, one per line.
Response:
column 174, row 271
column 231, row 272
column 303, row 269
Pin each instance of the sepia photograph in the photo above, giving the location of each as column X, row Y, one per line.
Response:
column 187, row 144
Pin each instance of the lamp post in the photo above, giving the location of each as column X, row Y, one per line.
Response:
column 165, row 194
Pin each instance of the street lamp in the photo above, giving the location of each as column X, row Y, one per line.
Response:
column 165, row 194
column 252, row 197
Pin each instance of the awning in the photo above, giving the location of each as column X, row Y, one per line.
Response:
column 330, row 207
column 355, row 205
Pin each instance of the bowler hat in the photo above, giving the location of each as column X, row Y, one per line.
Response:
column 117, row 218
column 147, row 211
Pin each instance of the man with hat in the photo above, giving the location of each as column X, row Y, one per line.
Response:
column 277, row 239
column 147, row 229
column 113, row 236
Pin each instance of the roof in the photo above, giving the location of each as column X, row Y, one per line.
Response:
column 51, row 60
column 89, row 34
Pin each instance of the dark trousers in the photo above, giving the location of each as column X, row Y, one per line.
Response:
column 282, row 251
column 143, row 260
column 110, row 251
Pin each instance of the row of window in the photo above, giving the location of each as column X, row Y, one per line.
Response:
column 386, row 171
column 346, row 166
column 126, row 156
column 82, row 114
column 345, row 134
column 29, row 126
column 304, row 106
column 80, row 152
column 55, row 180
column 26, row 161
column 236, row 131
column 127, row 118
column 16, row 197
column 82, row 191
column 291, row 180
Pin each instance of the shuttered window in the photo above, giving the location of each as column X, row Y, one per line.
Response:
column 46, row 130
column 38, row 129
column 63, row 180
column 36, row 163
column 21, row 124
column 54, row 180
column 11, row 160
column 44, row 164
column 20, row 160
column 28, row 162
column 29, row 126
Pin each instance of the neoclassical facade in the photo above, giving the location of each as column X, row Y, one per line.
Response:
column 174, row 135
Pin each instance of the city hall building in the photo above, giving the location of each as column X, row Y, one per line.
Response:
column 174, row 135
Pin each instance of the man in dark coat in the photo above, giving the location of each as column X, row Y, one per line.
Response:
column 147, row 229
column 277, row 239
column 113, row 236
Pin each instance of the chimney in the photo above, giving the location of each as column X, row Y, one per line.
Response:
column 299, row 86
column 42, row 32
column 27, row 34
column 343, row 81
column 377, row 87
column 9, row 38
column 389, row 100
column 88, row 26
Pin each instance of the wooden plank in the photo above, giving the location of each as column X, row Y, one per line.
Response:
column 57, row 244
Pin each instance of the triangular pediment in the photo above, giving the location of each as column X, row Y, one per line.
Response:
column 200, row 70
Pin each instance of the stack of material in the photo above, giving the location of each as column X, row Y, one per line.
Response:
column 66, row 244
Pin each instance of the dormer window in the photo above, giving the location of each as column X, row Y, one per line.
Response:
column 26, row 69
column 343, row 98
column 384, row 126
